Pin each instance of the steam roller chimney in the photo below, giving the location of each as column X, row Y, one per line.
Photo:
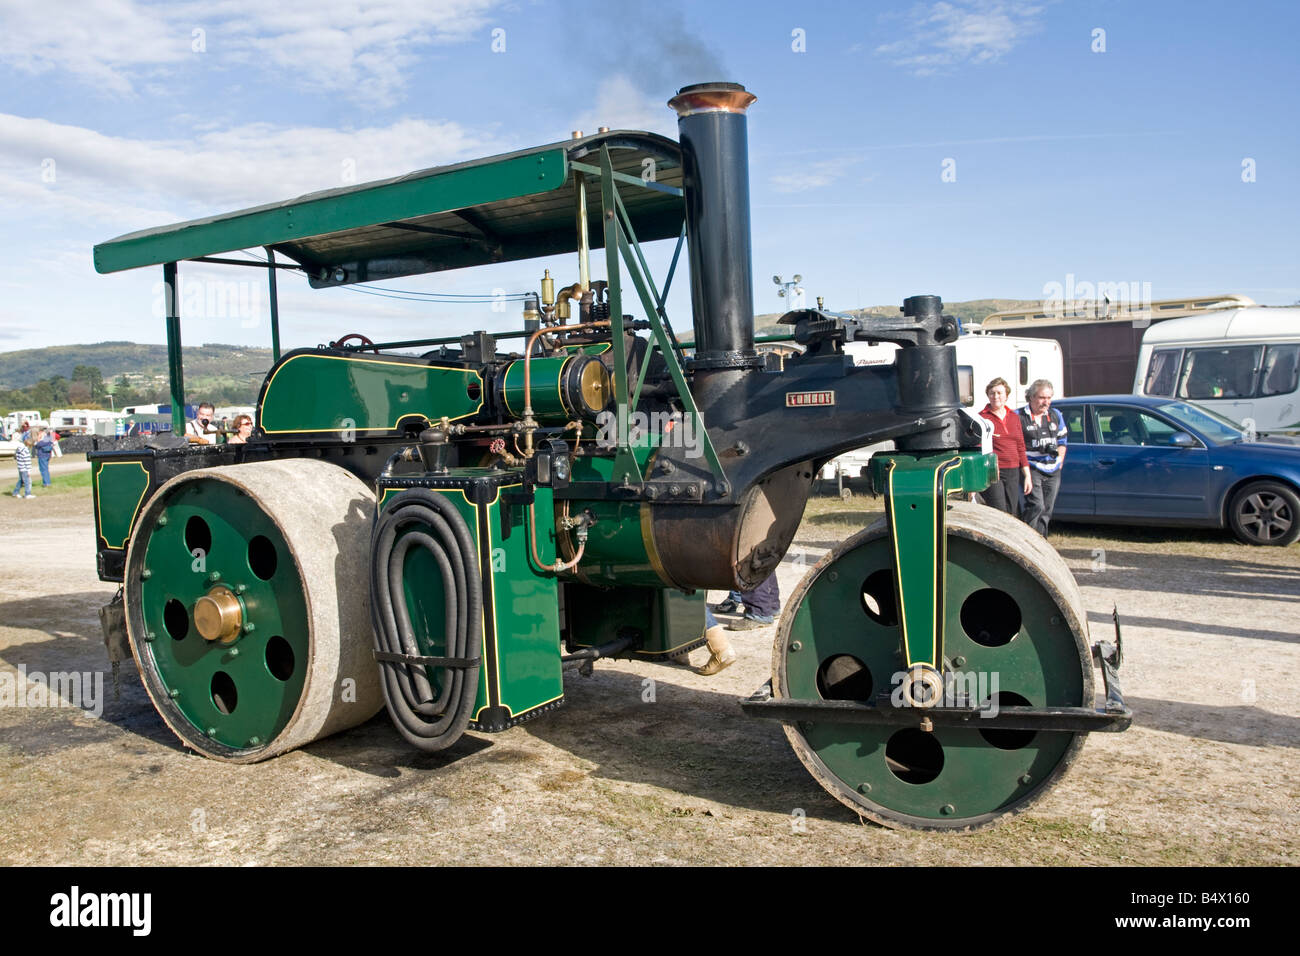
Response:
column 713, row 132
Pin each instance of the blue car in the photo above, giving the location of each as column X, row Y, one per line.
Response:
column 1154, row 461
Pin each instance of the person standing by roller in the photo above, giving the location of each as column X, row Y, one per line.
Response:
column 1009, row 446
column 1045, row 437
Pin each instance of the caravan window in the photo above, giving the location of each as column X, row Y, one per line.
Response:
column 1024, row 369
column 1279, row 374
column 1162, row 373
column 966, row 384
column 1220, row 373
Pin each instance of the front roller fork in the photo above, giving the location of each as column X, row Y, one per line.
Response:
column 916, row 493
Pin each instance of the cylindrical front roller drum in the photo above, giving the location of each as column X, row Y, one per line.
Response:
column 247, row 606
column 1015, row 634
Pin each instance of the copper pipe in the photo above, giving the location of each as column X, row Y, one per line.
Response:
column 558, row 566
column 576, row 428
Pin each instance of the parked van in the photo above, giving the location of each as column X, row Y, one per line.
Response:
column 13, row 422
column 1242, row 363
column 980, row 359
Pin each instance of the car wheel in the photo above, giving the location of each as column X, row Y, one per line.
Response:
column 1265, row 512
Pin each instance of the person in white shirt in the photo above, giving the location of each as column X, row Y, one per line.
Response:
column 203, row 430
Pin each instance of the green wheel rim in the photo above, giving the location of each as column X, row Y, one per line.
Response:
column 241, row 695
column 952, row 777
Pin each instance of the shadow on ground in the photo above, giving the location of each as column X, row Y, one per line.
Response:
column 1237, row 724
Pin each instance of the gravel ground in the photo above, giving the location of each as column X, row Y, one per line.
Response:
column 1208, row 774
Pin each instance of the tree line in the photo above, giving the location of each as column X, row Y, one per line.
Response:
column 86, row 388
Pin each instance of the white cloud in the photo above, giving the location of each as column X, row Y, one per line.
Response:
column 135, row 183
column 359, row 48
column 99, row 43
column 952, row 32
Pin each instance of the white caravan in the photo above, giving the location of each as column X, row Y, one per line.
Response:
column 980, row 359
column 1242, row 363
column 78, row 421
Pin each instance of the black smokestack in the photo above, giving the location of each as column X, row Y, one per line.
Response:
column 711, row 125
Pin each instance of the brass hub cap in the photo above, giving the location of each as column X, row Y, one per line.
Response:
column 922, row 686
column 218, row 615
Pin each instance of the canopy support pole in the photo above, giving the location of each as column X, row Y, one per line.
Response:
column 175, row 373
column 275, row 305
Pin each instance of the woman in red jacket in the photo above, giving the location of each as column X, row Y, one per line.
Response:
column 1009, row 446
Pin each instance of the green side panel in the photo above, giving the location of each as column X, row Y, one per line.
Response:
column 980, row 774
column 546, row 374
column 667, row 619
column 119, row 488
column 331, row 393
column 342, row 210
column 525, row 606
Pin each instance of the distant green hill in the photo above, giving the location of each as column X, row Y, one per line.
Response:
column 233, row 365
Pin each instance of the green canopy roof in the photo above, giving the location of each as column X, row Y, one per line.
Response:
column 503, row 208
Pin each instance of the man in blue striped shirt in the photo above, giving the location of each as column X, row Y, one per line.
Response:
column 23, row 459
column 1045, row 437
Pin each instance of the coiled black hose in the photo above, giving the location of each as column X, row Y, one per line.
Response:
column 418, row 518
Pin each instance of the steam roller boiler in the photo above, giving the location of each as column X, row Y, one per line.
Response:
column 437, row 525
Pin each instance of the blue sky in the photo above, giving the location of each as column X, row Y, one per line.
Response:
column 1117, row 166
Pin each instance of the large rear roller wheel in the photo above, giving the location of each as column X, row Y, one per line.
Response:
column 1015, row 632
column 247, row 606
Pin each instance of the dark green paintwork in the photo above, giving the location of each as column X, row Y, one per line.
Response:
column 325, row 393
column 545, row 377
column 523, row 602
column 119, row 488
column 916, row 490
column 616, row 550
column 1041, row 664
column 357, row 207
column 276, row 607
